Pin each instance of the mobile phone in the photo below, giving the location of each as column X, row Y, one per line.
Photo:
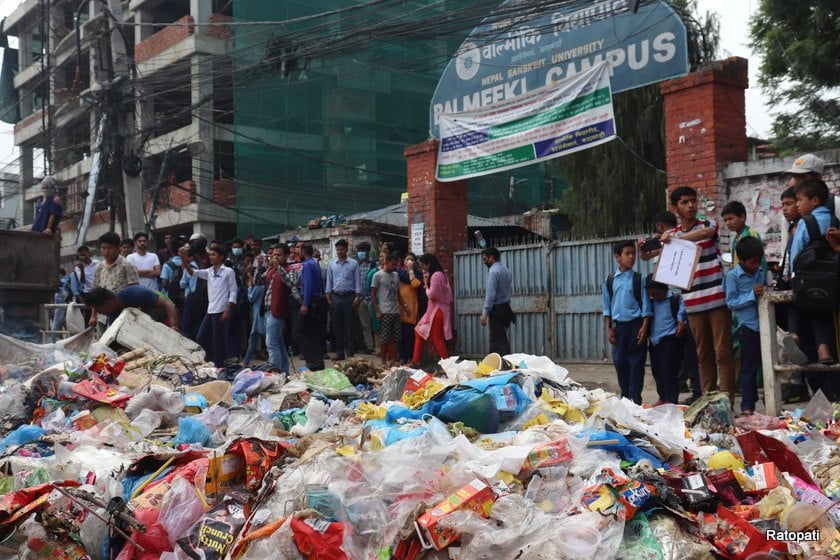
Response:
column 651, row 244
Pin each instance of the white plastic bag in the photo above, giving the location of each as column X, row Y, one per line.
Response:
column 74, row 319
column 180, row 509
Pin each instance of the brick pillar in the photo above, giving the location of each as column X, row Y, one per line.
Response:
column 441, row 206
column 705, row 127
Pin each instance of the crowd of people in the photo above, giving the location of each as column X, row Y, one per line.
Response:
column 238, row 301
column 693, row 331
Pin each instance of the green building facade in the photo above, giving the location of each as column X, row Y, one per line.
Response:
column 325, row 105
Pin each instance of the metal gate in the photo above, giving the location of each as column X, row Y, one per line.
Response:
column 530, row 299
column 556, row 297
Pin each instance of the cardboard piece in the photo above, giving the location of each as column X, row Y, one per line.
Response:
column 677, row 263
column 475, row 496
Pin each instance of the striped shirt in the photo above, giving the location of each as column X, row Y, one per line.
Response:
column 707, row 291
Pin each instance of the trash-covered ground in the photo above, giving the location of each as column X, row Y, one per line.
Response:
column 139, row 455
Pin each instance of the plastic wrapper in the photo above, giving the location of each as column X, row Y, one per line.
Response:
column 640, row 542
column 212, row 536
column 318, row 539
column 259, row 456
column 676, row 543
column 180, row 509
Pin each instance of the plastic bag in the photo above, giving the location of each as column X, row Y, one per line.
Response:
column 74, row 319
column 458, row 371
column 330, row 382
column 21, row 436
column 212, row 535
column 639, row 541
column 316, row 414
column 146, row 422
column 181, row 508
column 541, row 366
column 192, row 431
column 279, row 546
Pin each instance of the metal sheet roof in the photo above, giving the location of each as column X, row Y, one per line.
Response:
column 397, row 215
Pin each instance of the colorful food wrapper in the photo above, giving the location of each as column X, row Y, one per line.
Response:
column 211, row 537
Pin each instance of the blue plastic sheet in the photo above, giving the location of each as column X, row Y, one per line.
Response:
column 192, row 431
column 23, row 435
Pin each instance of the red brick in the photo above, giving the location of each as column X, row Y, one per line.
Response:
column 163, row 39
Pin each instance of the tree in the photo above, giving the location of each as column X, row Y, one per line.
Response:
column 800, row 50
column 616, row 188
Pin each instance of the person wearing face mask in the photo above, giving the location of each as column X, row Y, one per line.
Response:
column 363, row 310
column 497, row 312
column 410, row 281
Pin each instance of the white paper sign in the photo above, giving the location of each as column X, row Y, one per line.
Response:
column 677, row 263
column 417, row 232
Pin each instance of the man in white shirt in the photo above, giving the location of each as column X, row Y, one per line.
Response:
column 146, row 263
column 216, row 331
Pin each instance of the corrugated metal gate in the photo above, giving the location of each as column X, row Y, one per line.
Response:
column 556, row 298
column 530, row 300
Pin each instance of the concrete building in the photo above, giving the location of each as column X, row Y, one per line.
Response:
column 11, row 200
column 163, row 79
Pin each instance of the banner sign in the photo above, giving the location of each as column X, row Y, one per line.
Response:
column 547, row 123
column 510, row 57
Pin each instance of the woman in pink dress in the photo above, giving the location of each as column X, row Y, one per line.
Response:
column 436, row 323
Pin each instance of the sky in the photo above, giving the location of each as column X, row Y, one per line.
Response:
column 734, row 30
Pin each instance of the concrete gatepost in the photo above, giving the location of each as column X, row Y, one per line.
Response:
column 442, row 207
column 705, row 128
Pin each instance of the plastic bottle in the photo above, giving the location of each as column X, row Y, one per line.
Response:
column 480, row 239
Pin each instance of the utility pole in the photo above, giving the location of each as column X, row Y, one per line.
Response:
column 132, row 191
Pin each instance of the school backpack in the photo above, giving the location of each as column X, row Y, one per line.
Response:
column 816, row 271
column 637, row 286
column 173, row 289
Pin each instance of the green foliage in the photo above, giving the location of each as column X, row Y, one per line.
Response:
column 616, row 188
column 800, row 50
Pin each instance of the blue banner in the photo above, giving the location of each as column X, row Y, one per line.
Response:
column 505, row 59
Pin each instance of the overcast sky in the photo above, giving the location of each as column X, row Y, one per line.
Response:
column 734, row 32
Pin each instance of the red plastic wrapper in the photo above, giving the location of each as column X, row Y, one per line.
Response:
column 107, row 369
column 758, row 448
column 737, row 539
column 15, row 506
column 727, row 487
column 259, row 457
column 97, row 390
column 318, row 539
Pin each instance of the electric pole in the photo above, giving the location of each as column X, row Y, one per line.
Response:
column 125, row 148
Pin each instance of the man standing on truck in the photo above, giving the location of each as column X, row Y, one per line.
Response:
column 48, row 212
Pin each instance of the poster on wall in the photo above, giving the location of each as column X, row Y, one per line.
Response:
column 550, row 122
column 417, row 232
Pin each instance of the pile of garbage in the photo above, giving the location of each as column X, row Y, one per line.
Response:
column 134, row 455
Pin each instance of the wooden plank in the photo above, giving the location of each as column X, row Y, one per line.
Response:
column 769, row 354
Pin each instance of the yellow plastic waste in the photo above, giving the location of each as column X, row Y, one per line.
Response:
column 726, row 460
column 370, row 411
column 775, row 502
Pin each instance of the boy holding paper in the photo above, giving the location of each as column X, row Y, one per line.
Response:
column 709, row 318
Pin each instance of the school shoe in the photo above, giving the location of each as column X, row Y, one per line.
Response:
column 690, row 400
column 796, row 355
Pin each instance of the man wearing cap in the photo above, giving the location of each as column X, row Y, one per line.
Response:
column 49, row 210
column 809, row 166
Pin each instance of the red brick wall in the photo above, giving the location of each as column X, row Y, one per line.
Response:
column 163, row 39
column 441, row 206
column 705, row 126
column 220, row 31
column 224, row 192
column 33, row 118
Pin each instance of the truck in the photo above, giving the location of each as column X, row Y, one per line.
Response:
column 29, row 263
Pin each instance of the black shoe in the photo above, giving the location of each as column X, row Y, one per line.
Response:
column 795, row 393
column 339, row 357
